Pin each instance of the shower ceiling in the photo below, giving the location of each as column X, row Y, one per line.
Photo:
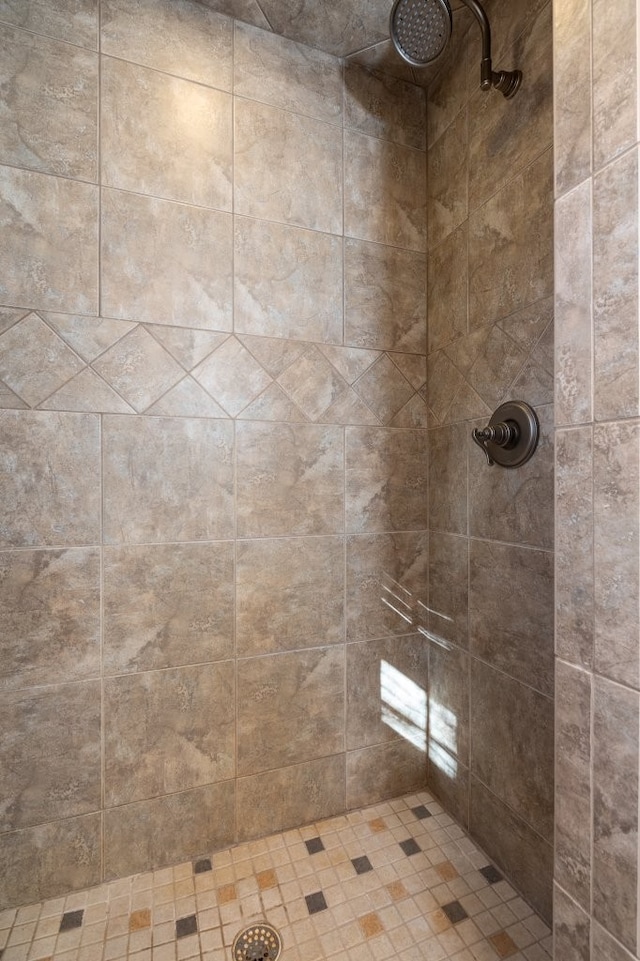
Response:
column 340, row 27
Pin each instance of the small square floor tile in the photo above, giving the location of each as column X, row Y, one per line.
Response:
column 377, row 825
column 362, row 865
column 316, row 902
column 138, row 920
column 201, row 866
column 455, row 912
column 421, row 812
column 314, row 845
column 186, row 926
column 410, row 847
column 267, row 879
column 371, row 925
column 491, row 874
column 227, row 893
column 71, row 920
column 503, row 944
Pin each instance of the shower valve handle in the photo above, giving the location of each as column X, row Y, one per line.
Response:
column 503, row 435
column 511, row 436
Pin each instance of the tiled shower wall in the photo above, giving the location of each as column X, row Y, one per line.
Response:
column 213, row 549
column 490, row 287
column 598, row 493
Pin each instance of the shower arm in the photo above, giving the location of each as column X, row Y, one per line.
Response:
column 506, row 81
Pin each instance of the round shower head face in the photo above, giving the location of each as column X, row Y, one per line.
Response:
column 420, row 29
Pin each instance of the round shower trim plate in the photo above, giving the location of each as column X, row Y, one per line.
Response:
column 258, row 942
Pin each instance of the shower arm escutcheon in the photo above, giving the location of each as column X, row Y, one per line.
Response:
column 506, row 81
column 511, row 436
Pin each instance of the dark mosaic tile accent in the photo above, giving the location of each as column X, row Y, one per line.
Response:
column 71, row 920
column 316, row 902
column 362, row 865
column 491, row 874
column 410, row 847
column 201, row 866
column 421, row 812
column 455, row 912
column 314, row 845
column 186, row 926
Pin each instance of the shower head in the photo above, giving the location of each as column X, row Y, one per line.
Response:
column 420, row 30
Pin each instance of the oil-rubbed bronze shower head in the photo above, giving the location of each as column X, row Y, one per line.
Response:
column 420, row 30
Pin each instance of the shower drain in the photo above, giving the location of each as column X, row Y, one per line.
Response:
column 260, row 942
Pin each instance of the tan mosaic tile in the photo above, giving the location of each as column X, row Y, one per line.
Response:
column 377, row 825
column 227, row 893
column 503, row 944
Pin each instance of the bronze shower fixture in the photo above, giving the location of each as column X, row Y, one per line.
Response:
column 420, row 30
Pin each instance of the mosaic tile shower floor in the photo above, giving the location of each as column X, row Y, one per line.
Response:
column 400, row 880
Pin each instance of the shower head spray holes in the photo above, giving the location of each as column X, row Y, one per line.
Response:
column 420, row 29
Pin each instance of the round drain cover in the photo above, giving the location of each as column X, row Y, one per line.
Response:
column 260, row 942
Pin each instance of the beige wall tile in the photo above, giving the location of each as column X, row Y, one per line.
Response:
column 571, row 927
column 42, row 861
column 301, row 691
column 386, row 584
column 515, row 847
column 384, row 107
column 573, row 87
column 288, row 282
column 49, row 105
column 88, row 336
column 165, row 606
column 573, row 783
column 386, row 477
column 87, row 392
column 173, row 139
column 615, row 97
column 286, row 74
column 447, row 286
column 290, row 796
column 75, row 21
column 337, row 29
column 34, row 361
column 503, row 712
column 384, row 770
column 166, row 263
column 385, row 192
column 289, row 594
column 512, row 629
column 50, row 753
column 574, row 327
column 448, row 483
column 512, row 235
column 290, row 479
column 448, row 604
column 574, row 546
column 171, row 35
column 139, row 369
column 313, row 384
column 385, row 297
column 387, row 691
column 514, row 505
column 168, row 731
column 615, row 809
column 449, row 702
column 48, row 242
column 505, row 136
column 447, row 179
column 187, row 399
column 615, row 289
column 232, row 376
column 150, row 834
column 148, row 493
column 288, row 167
column 51, row 468
column 616, row 503
column 50, row 602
